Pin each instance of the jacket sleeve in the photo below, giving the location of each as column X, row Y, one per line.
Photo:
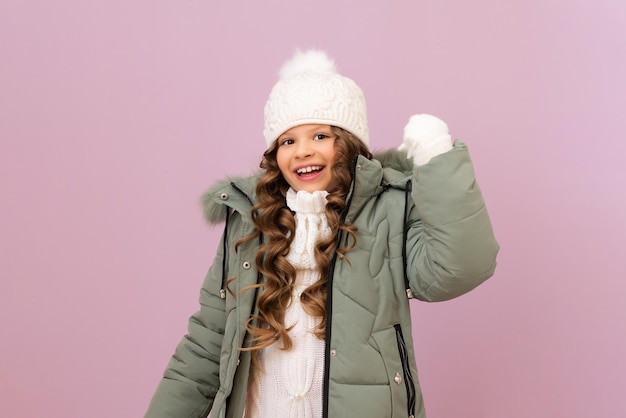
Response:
column 451, row 247
column 191, row 379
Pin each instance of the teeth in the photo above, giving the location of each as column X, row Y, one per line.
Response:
column 308, row 169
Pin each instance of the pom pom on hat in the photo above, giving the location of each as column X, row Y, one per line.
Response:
column 309, row 61
column 311, row 91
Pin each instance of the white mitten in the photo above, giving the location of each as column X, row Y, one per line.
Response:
column 425, row 137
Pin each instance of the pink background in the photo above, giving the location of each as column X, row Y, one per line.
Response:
column 116, row 115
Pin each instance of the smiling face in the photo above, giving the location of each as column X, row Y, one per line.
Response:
column 305, row 156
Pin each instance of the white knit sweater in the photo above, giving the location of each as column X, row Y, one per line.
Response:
column 291, row 386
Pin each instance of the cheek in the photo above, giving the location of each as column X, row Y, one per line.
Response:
column 331, row 153
column 283, row 162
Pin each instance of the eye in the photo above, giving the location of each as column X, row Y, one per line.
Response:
column 286, row 141
column 319, row 137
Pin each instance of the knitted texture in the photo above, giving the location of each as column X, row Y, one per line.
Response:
column 311, row 91
column 425, row 137
column 292, row 383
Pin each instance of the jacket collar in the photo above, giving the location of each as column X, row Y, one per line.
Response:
column 389, row 169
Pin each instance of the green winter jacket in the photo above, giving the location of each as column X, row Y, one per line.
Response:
column 426, row 226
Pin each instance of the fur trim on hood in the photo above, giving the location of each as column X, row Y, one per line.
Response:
column 236, row 193
column 395, row 160
column 397, row 167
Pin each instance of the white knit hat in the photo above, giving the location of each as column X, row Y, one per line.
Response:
column 311, row 91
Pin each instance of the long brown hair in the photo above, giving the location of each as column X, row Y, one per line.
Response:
column 277, row 225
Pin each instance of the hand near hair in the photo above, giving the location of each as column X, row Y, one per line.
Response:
column 425, row 137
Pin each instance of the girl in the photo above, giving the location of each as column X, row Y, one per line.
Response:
column 305, row 310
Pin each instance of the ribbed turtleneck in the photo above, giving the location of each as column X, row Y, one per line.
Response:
column 311, row 226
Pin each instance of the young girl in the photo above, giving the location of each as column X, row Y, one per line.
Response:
column 305, row 310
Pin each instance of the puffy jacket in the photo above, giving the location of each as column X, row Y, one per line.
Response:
column 423, row 232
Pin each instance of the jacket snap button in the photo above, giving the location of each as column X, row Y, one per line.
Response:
column 246, row 265
column 398, row 378
column 333, row 353
column 224, row 196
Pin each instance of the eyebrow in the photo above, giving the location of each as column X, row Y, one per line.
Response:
column 314, row 129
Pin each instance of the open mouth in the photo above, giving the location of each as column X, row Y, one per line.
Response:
column 309, row 171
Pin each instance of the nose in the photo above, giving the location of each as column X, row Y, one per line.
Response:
column 303, row 149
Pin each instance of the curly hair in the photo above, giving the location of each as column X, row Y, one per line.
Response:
column 277, row 224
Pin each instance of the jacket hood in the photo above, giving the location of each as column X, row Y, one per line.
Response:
column 390, row 167
column 397, row 167
column 231, row 193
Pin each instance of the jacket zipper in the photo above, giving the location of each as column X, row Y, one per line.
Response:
column 224, row 255
column 405, row 232
column 406, row 370
column 329, row 296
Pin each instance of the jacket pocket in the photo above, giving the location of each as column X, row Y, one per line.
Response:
column 406, row 371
